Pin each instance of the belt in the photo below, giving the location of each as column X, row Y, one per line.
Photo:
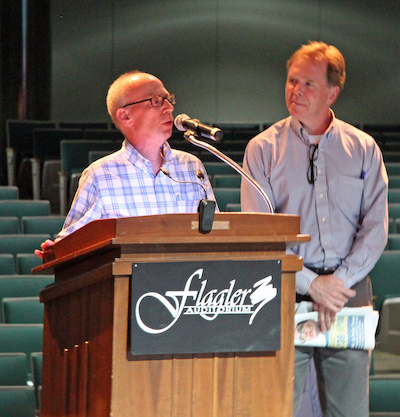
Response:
column 322, row 271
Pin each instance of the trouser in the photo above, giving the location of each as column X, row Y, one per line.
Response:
column 342, row 374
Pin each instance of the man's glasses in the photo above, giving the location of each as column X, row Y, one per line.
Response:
column 312, row 169
column 156, row 101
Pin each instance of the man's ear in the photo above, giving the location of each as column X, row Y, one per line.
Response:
column 333, row 95
column 122, row 116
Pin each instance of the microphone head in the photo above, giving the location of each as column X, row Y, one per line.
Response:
column 200, row 175
column 179, row 120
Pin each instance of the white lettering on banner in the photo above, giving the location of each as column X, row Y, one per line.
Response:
column 210, row 304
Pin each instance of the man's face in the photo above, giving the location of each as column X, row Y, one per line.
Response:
column 308, row 94
column 307, row 331
column 145, row 122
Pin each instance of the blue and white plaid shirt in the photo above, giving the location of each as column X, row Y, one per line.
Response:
column 123, row 184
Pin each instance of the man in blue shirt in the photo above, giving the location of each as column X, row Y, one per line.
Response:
column 129, row 182
column 333, row 176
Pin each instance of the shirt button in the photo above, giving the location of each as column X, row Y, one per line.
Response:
column 321, row 195
column 323, row 219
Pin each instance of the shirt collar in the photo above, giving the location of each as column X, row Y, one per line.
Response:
column 136, row 158
column 299, row 129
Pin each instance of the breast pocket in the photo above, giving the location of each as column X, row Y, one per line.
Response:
column 348, row 195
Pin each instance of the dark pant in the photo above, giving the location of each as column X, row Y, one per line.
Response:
column 342, row 374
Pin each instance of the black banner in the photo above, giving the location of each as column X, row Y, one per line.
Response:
column 205, row 307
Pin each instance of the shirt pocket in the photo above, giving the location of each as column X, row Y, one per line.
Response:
column 348, row 195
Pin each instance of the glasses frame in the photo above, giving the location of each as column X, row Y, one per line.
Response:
column 312, row 172
column 171, row 99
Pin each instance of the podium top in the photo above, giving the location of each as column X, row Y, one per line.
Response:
column 173, row 229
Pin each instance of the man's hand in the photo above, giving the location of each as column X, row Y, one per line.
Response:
column 46, row 244
column 329, row 296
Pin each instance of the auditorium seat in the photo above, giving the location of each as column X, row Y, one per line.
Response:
column 225, row 196
column 236, row 156
column 218, row 168
column 13, row 368
column 235, row 207
column 392, row 168
column 20, row 144
column 50, row 186
column 385, row 277
column 23, row 285
column 21, row 208
column 394, row 181
column 393, row 242
column 36, row 370
column 21, row 243
column 384, row 395
column 227, row 181
column 25, row 262
column 9, row 225
column 22, row 310
column 17, row 401
column 83, row 125
column 394, row 210
column 394, row 195
column 7, row 264
column 234, row 145
column 9, row 192
column 42, row 224
column 103, row 134
column 74, row 159
column 26, row 338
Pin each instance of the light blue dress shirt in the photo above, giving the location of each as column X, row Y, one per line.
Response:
column 345, row 211
column 123, row 184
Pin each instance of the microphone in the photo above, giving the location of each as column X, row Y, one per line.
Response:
column 183, row 122
column 206, row 207
column 199, row 175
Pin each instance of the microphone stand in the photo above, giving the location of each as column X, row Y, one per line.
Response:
column 189, row 136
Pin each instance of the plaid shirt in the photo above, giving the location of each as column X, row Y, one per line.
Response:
column 123, row 184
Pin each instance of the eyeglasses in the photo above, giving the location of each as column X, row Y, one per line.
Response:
column 312, row 169
column 156, row 101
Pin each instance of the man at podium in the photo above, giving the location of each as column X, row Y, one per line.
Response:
column 129, row 182
column 332, row 175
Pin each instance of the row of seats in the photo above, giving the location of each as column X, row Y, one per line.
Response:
column 29, row 225
column 21, row 344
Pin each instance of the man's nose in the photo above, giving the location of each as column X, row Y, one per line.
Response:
column 168, row 107
column 297, row 89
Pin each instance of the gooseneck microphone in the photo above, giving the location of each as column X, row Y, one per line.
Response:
column 183, row 122
column 206, row 207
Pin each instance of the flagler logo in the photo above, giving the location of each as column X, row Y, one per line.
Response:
column 209, row 303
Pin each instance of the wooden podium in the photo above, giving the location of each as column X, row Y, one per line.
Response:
column 87, row 370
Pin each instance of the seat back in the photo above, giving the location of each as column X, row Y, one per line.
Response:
column 25, row 262
column 21, row 208
column 23, row 285
column 7, row 264
column 22, row 310
column 225, row 196
column 13, row 368
column 385, row 277
column 9, row 192
column 9, row 225
column 384, row 393
column 26, row 338
column 21, row 243
column 17, row 401
column 42, row 224
column 75, row 153
column 227, row 181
